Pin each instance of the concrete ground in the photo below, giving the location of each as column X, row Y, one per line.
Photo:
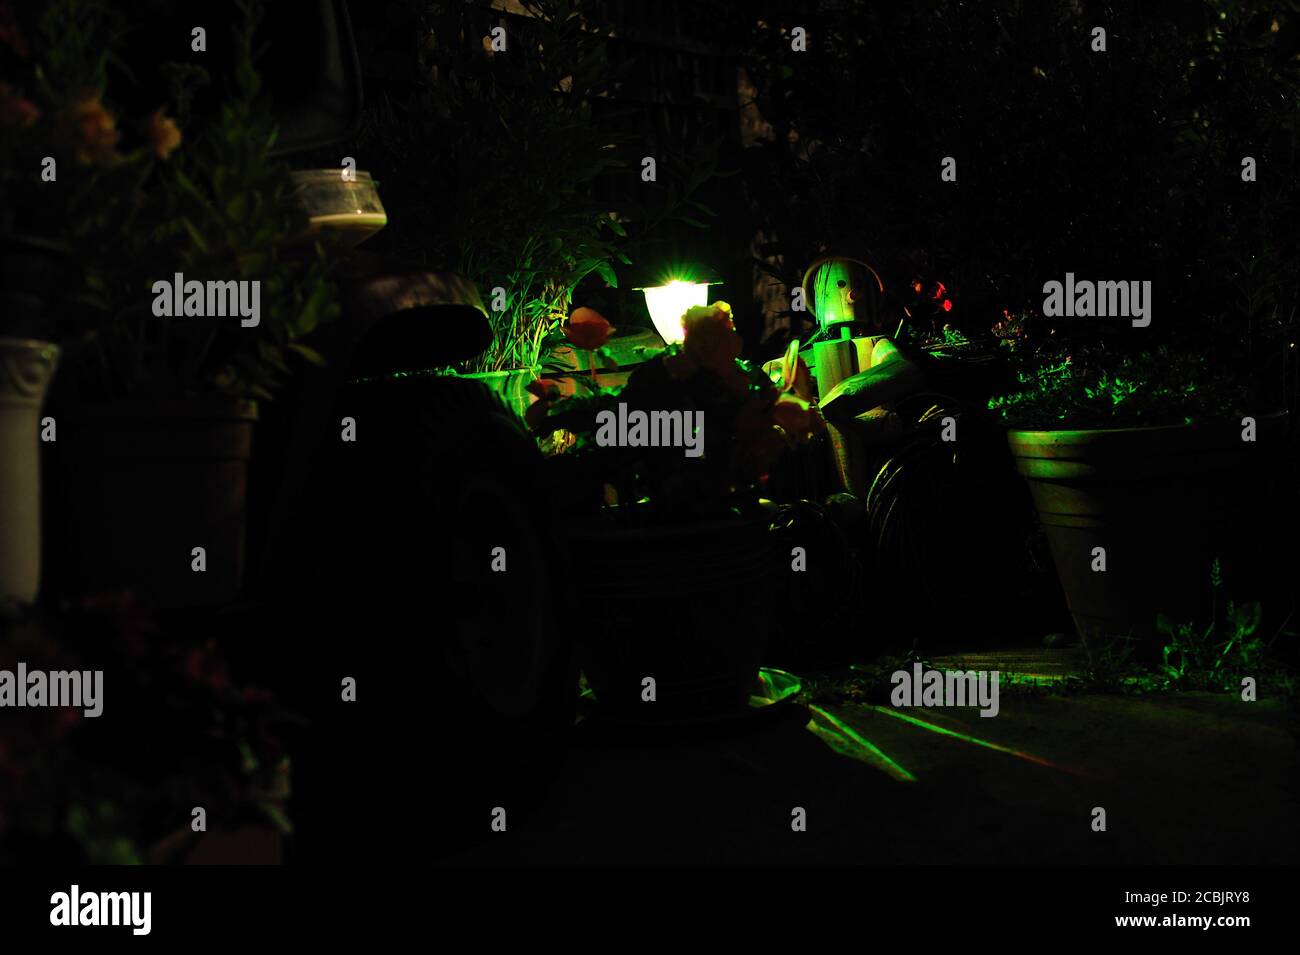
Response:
column 1183, row 778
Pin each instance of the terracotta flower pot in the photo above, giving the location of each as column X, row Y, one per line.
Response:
column 26, row 368
column 247, row 845
column 1163, row 503
column 143, row 484
column 682, row 605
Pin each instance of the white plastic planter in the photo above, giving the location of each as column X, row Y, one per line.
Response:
column 26, row 368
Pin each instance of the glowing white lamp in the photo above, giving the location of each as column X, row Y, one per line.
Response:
column 667, row 304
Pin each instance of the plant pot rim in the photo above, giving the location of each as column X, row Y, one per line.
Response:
column 33, row 343
column 1067, row 435
column 494, row 374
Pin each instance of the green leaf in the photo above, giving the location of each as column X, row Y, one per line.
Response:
column 307, row 352
column 606, row 271
column 195, row 236
column 237, row 207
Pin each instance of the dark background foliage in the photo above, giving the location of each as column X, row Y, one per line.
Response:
column 1122, row 164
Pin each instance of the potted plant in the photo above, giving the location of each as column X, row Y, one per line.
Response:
column 1144, row 468
column 186, row 306
column 77, row 786
column 34, row 268
column 523, row 187
column 666, row 531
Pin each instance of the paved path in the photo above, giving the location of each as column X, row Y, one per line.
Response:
column 1188, row 778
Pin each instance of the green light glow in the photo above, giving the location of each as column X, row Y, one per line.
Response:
column 889, row 711
column 867, row 751
column 667, row 303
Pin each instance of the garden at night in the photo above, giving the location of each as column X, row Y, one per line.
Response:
column 485, row 433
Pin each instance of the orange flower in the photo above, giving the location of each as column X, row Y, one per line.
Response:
column 712, row 344
column 96, row 131
column 16, row 110
column 164, row 134
column 546, row 391
column 711, row 338
column 797, row 418
column 587, row 328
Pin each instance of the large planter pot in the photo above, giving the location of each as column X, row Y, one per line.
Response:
column 682, row 605
column 1163, row 503
column 511, row 385
column 26, row 368
column 143, row 485
column 34, row 274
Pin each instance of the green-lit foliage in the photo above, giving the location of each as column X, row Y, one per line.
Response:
column 492, row 157
column 1112, row 668
column 1085, row 387
column 1066, row 158
column 1213, row 656
column 498, row 164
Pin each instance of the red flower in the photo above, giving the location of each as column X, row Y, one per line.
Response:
column 194, row 664
column 939, row 289
column 947, row 305
column 16, row 110
column 544, row 388
column 10, row 35
column 587, row 328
